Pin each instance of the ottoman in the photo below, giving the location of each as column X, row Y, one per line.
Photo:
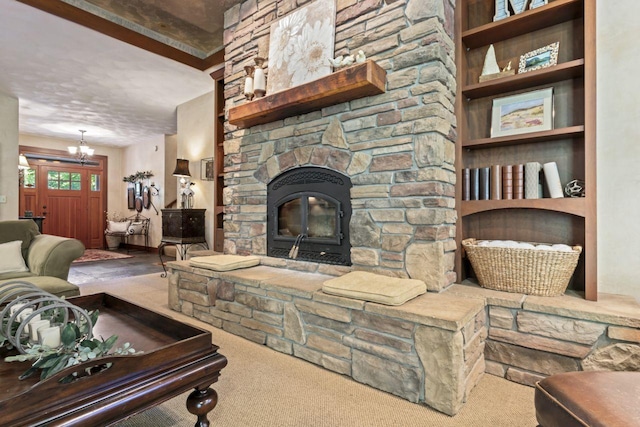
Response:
column 53, row 285
column 589, row 398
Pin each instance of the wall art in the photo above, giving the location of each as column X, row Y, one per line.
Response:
column 540, row 58
column 300, row 44
column 522, row 113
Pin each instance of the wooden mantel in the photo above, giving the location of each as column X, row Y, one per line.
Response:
column 354, row 82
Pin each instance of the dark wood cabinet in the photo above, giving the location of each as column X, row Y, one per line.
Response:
column 183, row 226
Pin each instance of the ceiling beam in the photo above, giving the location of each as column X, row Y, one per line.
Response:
column 104, row 26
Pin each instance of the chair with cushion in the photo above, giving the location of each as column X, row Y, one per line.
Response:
column 136, row 225
column 25, row 254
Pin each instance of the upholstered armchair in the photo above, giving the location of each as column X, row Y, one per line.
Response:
column 37, row 254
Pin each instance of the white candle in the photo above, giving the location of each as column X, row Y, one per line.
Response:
column 34, row 325
column 248, row 85
column 259, row 82
column 49, row 336
column 26, row 312
column 16, row 307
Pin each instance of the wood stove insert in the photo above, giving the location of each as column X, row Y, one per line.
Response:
column 308, row 214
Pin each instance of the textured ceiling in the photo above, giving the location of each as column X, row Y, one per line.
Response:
column 194, row 23
column 68, row 77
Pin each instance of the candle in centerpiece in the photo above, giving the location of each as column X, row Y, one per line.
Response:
column 34, row 325
column 49, row 336
column 15, row 308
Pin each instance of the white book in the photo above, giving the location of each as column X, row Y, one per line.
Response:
column 532, row 180
column 552, row 178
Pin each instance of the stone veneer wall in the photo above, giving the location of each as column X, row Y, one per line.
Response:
column 428, row 350
column 533, row 337
column 397, row 147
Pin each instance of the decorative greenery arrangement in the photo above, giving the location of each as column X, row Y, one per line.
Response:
column 76, row 347
column 138, row 176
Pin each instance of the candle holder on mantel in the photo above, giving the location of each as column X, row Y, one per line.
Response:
column 248, row 82
column 259, row 78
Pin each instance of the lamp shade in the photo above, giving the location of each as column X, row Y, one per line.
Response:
column 22, row 162
column 182, row 168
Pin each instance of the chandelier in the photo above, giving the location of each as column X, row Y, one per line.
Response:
column 82, row 151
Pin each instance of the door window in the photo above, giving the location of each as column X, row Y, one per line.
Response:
column 29, row 178
column 95, row 182
column 64, row 181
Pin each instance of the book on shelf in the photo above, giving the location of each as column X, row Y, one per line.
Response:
column 496, row 182
column 552, row 178
column 466, row 191
column 532, row 186
column 485, row 183
column 474, row 184
column 507, row 182
column 518, row 181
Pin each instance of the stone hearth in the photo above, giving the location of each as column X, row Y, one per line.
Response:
column 429, row 350
column 432, row 349
column 397, row 148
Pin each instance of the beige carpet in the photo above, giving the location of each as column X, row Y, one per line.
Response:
column 261, row 387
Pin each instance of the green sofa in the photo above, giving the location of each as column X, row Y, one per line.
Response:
column 47, row 258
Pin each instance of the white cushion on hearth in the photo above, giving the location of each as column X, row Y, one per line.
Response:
column 224, row 262
column 375, row 287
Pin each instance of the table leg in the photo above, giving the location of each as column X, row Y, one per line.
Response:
column 160, row 250
column 200, row 402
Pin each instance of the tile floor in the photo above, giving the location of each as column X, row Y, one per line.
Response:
column 97, row 271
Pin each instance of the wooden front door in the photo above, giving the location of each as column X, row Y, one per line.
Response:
column 71, row 197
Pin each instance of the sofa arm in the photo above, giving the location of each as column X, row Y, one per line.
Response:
column 52, row 255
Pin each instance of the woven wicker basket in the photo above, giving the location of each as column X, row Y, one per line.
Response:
column 527, row 271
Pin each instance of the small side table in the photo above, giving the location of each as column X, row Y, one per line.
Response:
column 184, row 227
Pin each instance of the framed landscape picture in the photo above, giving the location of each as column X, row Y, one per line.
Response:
column 522, row 113
column 540, row 58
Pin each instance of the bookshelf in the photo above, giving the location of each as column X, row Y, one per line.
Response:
column 571, row 143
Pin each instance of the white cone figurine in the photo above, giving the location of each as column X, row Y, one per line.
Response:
column 490, row 63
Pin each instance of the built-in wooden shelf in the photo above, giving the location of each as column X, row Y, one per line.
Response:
column 526, row 138
column 564, row 71
column 573, row 206
column 351, row 83
column 523, row 23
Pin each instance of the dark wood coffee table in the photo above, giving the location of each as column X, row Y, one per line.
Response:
column 177, row 357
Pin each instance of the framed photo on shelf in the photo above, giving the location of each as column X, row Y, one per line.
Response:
column 540, row 58
column 522, row 113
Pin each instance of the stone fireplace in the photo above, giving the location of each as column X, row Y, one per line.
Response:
column 396, row 148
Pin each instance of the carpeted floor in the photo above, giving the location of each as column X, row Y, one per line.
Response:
column 100, row 255
column 261, row 387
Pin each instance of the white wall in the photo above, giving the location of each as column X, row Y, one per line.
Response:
column 145, row 156
column 8, row 156
column 196, row 139
column 170, row 182
column 618, row 141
